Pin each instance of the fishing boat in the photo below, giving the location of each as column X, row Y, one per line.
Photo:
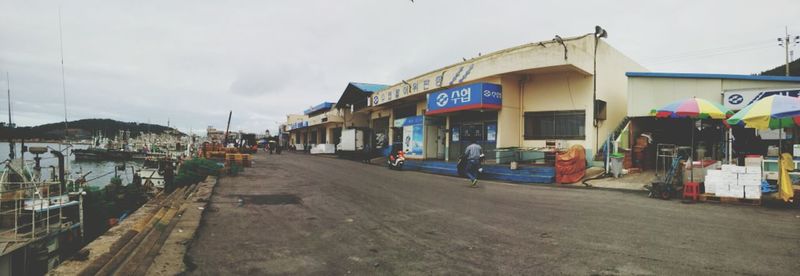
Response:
column 152, row 171
column 38, row 216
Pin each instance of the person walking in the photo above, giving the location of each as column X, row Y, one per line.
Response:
column 473, row 154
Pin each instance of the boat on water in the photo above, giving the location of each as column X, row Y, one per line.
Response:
column 99, row 154
column 39, row 219
column 153, row 170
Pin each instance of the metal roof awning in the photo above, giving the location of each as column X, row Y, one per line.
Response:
column 356, row 94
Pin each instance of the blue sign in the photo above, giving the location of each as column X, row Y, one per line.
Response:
column 473, row 96
column 738, row 99
column 319, row 107
column 409, row 121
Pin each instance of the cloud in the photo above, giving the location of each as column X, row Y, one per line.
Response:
column 193, row 61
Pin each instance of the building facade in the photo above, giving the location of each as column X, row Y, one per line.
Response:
column 520, row 97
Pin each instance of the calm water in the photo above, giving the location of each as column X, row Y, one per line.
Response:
column 98, row 168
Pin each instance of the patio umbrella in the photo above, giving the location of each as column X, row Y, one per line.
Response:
column 773, row 112
column 693, row 108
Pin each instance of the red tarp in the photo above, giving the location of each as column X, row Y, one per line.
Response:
column 571, row 166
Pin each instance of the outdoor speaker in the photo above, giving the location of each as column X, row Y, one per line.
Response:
column 599, row 110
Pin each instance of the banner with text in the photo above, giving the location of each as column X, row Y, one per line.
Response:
column 473, row 96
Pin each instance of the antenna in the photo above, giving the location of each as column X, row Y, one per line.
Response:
column 63, row 81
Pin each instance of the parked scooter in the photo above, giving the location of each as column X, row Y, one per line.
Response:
column 397, row 158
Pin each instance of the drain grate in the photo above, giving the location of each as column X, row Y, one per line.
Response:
column 273, row 199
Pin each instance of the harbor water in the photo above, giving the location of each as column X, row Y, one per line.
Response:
column 101, row 171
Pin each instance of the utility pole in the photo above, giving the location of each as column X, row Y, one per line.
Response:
column 785, row 42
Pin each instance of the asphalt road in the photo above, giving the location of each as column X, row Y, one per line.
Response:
column 352, row 218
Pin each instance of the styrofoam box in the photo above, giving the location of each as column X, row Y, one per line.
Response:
column 711, row 186
column 722, row 191
column 749, row 180
column 736, row 191
column 728, row 168
column 752, row 192
column 730, row 177
column 713, row 173
column 752, row 161
column 753, row 170
column 739, row 169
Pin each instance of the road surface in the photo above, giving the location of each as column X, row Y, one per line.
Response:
column 312, row 215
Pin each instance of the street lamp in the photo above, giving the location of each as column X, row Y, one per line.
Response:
column 599, row 33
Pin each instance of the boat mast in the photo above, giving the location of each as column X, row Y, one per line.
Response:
column 11, row 154
column 63, row 81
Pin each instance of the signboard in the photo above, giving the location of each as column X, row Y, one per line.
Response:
column 738, row 99
column 412, row 140
column 408, row 121
column 491, row 132
column 455, row 134
column 473, row 96
column 319, row 107
column 412, row 134
column 297, row 125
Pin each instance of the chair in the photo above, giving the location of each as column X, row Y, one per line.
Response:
column 691, row 189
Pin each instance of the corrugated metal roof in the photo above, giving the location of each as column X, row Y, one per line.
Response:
column 319, row 107
column 369, row 87
column 711, row 76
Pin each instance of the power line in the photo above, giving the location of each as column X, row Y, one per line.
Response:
column 710, row 50
column 702, row 56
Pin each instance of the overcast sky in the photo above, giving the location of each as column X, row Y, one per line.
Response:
column 193, row 61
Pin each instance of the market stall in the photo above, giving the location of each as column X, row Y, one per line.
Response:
column 670, row 158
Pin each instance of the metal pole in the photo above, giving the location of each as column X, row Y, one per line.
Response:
column 80, row 212
column 11, row 154
column 691, row 154
column 227, row 128
column 786, row 48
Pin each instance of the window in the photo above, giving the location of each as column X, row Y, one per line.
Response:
column 555, row 125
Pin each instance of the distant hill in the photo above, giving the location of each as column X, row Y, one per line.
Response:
column 794, row 69
column 83, row 129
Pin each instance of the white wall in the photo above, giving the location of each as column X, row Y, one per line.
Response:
column 647, row 93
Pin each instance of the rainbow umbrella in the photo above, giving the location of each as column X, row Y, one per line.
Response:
column 693, row 108
column 773, row 112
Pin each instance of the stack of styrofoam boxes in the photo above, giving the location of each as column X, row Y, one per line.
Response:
column 752, row 182
column 735, row 181
column 713, row 180
column 729, row 186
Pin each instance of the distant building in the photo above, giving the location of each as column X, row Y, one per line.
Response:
column 214, row 135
